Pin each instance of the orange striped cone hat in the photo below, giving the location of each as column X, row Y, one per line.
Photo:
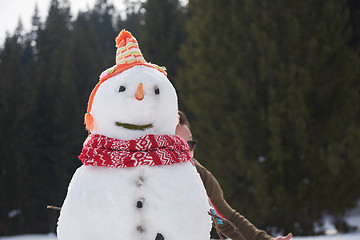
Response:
column 128, row 49
column 128, row 55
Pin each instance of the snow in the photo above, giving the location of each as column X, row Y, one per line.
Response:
column 14, row 213
column 350, row 236
column 353, row 219
column 50, row 236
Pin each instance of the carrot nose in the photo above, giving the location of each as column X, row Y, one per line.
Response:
column 139, row 92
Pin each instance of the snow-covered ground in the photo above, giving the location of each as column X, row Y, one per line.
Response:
column 351, row 236
column 51, row 236
column 353, row 220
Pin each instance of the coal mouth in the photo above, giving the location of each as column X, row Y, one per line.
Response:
column 133, row 126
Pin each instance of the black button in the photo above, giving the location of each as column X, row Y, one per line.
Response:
column 159, row 236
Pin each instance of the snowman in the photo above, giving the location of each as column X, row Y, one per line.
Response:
column 137, row 180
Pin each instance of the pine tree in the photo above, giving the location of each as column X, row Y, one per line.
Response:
column 51, row 45
column 11, row 71
column 86, row 58
column 268, row 87
column 354, row 23
column 15, row 66
column 47, row 76
column 102, row 18
column 162, row 32
column 131, row 23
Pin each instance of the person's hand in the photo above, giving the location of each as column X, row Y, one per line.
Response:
column 288, row 237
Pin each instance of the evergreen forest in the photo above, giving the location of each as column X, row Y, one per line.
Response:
column 271, row 90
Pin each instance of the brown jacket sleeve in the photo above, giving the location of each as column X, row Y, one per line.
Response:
column 213, row 189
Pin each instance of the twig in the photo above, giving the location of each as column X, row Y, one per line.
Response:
column 53, row 207
column 217, row 230
column 229, row 222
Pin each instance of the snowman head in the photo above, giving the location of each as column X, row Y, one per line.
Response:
column 133, row 98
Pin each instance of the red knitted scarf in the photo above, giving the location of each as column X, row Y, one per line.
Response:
column 99, row 150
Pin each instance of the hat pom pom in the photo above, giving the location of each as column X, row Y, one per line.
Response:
column 121, row 38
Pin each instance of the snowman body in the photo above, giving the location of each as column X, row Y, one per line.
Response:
column 143, row 202
column 135, row 203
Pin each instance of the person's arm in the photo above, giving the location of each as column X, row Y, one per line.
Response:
column 213, row 189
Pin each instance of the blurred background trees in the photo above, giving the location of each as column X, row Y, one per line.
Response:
column 271, row 91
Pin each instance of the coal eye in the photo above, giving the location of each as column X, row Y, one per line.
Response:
column 157, row 91
column 122, row 89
